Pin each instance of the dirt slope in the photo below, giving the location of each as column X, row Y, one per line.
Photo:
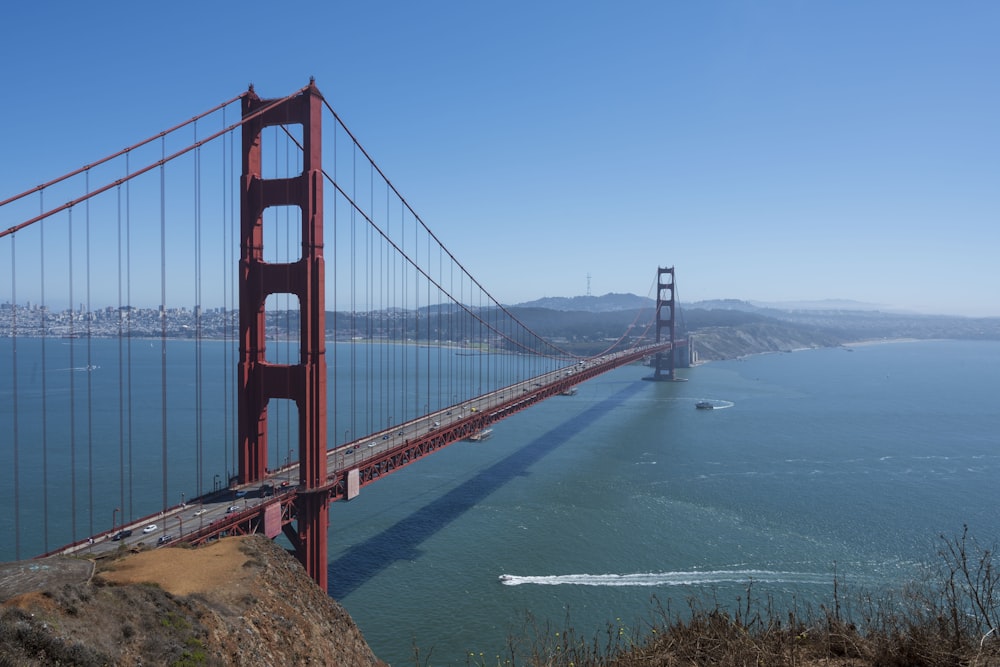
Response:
column 239, row 601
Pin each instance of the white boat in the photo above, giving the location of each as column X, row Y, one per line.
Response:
column 482, row 435
column 505, row 577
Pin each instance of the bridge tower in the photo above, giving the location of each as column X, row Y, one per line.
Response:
column 305, row 382
column 664, row 320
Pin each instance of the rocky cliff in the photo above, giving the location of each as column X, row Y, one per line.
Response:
column 239, row 601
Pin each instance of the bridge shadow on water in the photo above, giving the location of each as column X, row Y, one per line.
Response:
column 401, row 541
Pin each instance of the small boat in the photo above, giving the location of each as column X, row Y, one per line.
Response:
column 505, row 577
column 704, row 405
column 482, row 435
column 570, row 392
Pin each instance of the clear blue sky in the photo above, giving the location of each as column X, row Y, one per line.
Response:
column 770, row 151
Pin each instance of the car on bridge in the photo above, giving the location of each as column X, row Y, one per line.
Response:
column 201, row 511
column 122, row 534
column 165, row 539
column 232, row 508
column 150, row 528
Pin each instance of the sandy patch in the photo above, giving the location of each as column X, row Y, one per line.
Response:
column 185, row 571
column 33, row 601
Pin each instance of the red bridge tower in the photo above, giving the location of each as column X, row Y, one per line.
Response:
column 305, row 382
column 664, row 320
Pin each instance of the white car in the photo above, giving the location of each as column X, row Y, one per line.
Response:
column 150, row 528
column 232, row 508
column 200, row 512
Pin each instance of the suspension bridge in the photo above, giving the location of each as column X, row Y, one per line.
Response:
column 133, row 412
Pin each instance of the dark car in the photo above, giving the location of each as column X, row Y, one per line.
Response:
column 165, row 539
column 121, row 534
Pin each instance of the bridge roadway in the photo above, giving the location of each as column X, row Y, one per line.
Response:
column 268, row 506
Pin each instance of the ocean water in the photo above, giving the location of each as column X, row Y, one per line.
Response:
column 816, row 462
column 596, row 506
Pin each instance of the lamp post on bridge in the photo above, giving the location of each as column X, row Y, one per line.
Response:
column 114, row 517
column 215, row 483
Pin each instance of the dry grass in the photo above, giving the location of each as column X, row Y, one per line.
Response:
column 184, row 571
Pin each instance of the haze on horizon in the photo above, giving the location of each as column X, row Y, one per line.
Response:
column 774, row 152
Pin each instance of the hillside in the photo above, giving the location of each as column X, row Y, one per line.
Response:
column 728, row 329
column 239, row 601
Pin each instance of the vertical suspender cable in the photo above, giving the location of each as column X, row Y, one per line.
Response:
column 121, row 370
column 405, row 287
column 336, row 331
column 90, row 382
column 418, row 376
column 45, row 394
column 227, row 294
column 373, row 409
column 391, row 292
column 128, row 305
column 354, row 309
column 225, row 305
column 14, row 422
column 72, row 381
column 163, row 322
column 234, row 225
column 395, row 296
column 385, row 355
column 440, row 314
column 374, row 308
column 197, row 316
column 427, row 371
column 422, row 406
column 451, row 336
column 484, row 345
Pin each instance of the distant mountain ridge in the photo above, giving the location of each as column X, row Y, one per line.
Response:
column 607, row 303
column 613, row 301
column 729, row 328
column 788, row 306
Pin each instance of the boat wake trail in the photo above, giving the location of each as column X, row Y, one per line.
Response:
column 691, row 578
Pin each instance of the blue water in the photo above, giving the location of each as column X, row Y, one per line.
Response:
column 816, row 461
column 822, row 460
